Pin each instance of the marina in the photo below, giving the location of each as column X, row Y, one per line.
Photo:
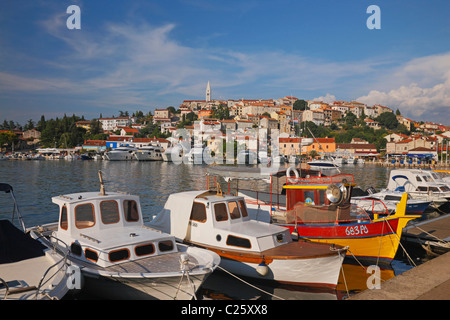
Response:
column 35, row 182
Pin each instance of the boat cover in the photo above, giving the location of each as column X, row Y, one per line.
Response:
column 174, row 218
column 16, row 246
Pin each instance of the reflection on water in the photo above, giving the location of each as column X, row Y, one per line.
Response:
column 35, row 182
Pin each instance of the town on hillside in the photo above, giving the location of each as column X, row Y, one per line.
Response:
column 337, row 128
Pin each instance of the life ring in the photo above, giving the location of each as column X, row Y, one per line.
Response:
column 289, row 172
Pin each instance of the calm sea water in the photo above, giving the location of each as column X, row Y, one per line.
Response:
column 35, row 182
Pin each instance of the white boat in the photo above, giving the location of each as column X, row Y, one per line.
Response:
column 121, row 258
column 121, row 154
column 149, row 153
column 420, row 185
column 323, row 164
column 248, row 247
column 389, row 199
column 28, row 269
column 173, row 154
column 198, row 155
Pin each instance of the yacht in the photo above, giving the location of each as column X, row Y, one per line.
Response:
column 173, row 154
column 120, row 257
column 29, row 270
column 420, row 185
column 323, row 164
column 121, row 153
column 390, row 199
column 149, row 153
column 198, row 155
column 250, row 248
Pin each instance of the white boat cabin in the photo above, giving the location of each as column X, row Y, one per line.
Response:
column 108, row 229
column 418, row 181
column 220, row 221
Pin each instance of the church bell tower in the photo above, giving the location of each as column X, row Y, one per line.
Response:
column 208, row 92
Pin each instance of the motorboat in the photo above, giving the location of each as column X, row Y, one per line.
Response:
column 220, row 222
column 29, row 270
column 388, row 198
column 149, row 153
column 198, row 155
column 420, row 185
column 318, row 208
column 121, row 153
column 120, row 257
column 173, row 154
column 323, row 164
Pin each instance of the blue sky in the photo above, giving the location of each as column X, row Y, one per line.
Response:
column 143, row 54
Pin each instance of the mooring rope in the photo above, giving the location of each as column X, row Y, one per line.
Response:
column 249, row 284
column 399, row 242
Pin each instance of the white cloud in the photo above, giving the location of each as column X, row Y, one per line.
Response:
column 327, row 99
column 421, row 88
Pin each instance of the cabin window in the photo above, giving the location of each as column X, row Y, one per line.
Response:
column 84, row 216
column 130, row 210
column 422, row 189
column 109, row 211
column 418, row 179
column 63, row 220
column 234, row 210
column 166, row 245
column 243, row 208
column 144, row 250
column 75, row 248
column 91, row 255
column 220, row 211
column 198, row 212
column 309, row 197
column 321, row 196
column 238, row 242
column 118, row 255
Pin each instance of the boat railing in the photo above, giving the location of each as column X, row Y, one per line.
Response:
column 307, row 214
column 309, row 180
column 60, row 247
column 373, row 207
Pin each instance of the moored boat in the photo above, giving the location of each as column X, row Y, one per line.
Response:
column 149, row 153
column 247, row 247
column 28, row 269
column 318, row 208
column 121, row 258
column 121, row 154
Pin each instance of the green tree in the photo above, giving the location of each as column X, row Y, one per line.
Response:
column 300, row 105
column 387, row 120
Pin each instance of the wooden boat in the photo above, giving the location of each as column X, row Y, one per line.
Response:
column 318, row 208
column 119, row 257
column 249, row 248
column 28, row 269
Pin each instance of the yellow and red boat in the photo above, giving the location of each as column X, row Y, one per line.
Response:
column 318, row 208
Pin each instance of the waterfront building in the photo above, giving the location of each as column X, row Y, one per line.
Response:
column 111, row 124
column 321, row 146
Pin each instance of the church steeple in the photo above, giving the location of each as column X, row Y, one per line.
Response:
column 208, row 92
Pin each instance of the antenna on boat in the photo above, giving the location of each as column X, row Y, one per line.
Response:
column 102, row 186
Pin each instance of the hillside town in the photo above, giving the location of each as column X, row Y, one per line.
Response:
column 348, row 128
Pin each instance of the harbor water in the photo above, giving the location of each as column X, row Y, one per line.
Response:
column 35, row 182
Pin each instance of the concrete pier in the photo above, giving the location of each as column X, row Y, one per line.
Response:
column 429, row 281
